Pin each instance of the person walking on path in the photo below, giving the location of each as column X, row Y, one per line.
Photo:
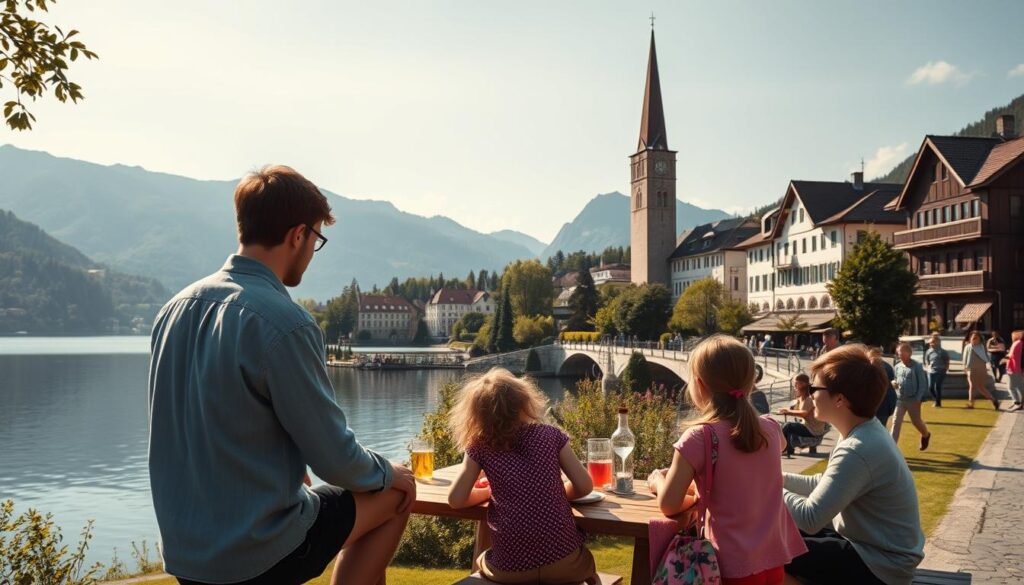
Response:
column 240, row 403
column 911, row 384
column 936, row 360
column 888, row 405
column 976, row 362
column 1015, row 369
column 804, row 408
column 997, row 351
column 860, row 516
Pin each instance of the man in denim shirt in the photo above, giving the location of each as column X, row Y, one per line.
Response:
column 937, row 360
column 241, row 403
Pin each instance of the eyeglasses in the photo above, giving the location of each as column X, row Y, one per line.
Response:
column 813, row 389
column 320, row 239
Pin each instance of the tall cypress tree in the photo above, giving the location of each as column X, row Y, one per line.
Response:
column 492, row 333
column 505, row 340
column 583, row 303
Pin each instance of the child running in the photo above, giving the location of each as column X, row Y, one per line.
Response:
column 753, row 533
column 496, row 421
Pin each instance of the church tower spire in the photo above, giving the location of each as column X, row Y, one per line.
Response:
column 652, row 228
column 652, row 121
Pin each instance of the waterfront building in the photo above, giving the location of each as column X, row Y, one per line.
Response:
column 709, row 251
column 448, row 305
column 386, row 318
column 964, row 232
column 802, row 244
column 611, row 275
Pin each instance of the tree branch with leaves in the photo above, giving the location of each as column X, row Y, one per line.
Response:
column 34, row 59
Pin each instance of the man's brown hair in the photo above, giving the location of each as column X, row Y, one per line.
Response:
column 273, row 200
column 848, row 370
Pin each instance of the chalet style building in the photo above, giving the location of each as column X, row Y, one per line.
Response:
column 965, row 231
column 709, row 251
column 802, row 244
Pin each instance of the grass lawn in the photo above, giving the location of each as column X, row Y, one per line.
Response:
column 957, row 435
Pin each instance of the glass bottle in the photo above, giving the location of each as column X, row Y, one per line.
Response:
column 623, row 444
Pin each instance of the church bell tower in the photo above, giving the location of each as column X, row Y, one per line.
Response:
column 652, row 229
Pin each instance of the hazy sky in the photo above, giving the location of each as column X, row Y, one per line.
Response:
column 515, row 114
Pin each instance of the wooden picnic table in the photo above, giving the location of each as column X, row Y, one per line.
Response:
column 616, row 515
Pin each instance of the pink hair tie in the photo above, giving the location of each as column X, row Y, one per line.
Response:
column 736, row 393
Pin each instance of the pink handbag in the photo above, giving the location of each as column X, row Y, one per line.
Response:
column 690, row 559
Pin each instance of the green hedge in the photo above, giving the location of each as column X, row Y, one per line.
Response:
column 590, row 336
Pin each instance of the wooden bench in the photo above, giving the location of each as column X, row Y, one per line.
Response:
column 477, row 579
column 930, row 577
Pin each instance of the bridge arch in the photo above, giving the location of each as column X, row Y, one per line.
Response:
column 665, row 376
column 580, row 365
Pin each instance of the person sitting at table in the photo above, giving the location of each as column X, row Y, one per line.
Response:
column 804, row 408
column 860, row 516
column 496, row 421
column 747, row 523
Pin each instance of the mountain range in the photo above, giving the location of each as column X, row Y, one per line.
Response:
column 176, row 229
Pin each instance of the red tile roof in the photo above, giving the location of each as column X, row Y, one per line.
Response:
column 456, row 296
column 999, row 159
column 383, row 304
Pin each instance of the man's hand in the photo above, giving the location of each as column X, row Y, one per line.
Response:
column 404, row 481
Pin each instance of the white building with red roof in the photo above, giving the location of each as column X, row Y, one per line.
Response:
column 448, row 305
column 387, row 318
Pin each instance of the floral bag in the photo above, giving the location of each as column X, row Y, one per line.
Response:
column 690, row 559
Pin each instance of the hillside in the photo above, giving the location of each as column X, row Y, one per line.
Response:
column 47, row 286
column 525, row 240
column 604, row 222
column 986, row 126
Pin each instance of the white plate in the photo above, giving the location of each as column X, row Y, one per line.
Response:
column 591, row 498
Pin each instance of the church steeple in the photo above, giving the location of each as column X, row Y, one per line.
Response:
column 652, row 123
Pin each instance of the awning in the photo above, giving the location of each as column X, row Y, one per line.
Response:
column 972, row 312
column 804, row 322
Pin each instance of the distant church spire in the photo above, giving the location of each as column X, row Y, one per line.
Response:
column 652, row 123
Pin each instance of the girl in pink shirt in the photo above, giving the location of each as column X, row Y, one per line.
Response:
column 747, row 521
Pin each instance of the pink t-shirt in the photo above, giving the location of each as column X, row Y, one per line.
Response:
column 1015, row 366
column 747, row 520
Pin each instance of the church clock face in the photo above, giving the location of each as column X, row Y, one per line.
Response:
column 660, row 167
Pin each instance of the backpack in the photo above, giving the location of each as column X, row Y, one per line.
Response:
column 690, row 559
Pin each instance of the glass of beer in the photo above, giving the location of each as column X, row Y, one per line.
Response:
column 599, row 462
column 422, row 452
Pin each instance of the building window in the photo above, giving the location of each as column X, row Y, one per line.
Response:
column 945, row 213
column 954, row 212
column 979, row 261
column 1016, row 206
column 801, row 214
column 834, row 239
column 935, row 216
column 960, row 266
column 792, row 219
column 814, row 244
column 976, row 208
column 965, row 210
column 735, row 283
column 750, row 283
column 803, row 247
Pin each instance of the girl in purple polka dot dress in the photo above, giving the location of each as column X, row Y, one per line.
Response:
column 497, row 422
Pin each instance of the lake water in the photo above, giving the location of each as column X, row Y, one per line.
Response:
column 73, row 429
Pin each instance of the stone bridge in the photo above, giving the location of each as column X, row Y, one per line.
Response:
column 591, row 360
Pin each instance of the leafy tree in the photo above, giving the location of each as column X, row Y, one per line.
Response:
column 604, row 320
column 733, row 315
column 697, row 308
column 530, row 331
column 470, row 281
column 533, row 361
column 481, row 280
column 34, row 59
column 642, row 310
column 457, row 330
column 495, row 279
column 636, row 377
column 504, row 338
column 483, row 336
column 472, row 321
column 874, row 292
column 792, row 323
column 527, row 285
column 583, row 302
column 422, row 332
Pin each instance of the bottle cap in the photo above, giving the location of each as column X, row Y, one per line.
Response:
column 623, row 410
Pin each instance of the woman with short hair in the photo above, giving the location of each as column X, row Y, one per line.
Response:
column 911, row 385
column 860, row 516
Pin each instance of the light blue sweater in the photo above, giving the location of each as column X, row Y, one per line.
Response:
column 240, row 403
column 867, row 494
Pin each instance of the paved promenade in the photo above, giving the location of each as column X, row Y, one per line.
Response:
column 983, row 532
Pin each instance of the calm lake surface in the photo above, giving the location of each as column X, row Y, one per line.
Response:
column 73, row 429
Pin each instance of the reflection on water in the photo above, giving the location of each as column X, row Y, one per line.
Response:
column 73, row 431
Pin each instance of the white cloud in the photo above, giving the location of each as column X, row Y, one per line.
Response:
column 936, row 72
column 886, row 157
column 1016, row 71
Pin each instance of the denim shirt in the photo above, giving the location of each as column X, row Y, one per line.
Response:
column 240, row 404
column 937, row 359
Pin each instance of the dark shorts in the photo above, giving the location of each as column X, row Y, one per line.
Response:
column 323, row 542
column 831, row 560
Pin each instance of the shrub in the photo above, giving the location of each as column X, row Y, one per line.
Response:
column 636, row 377
column 665, row 338
column 431, row 541
column 580, row 336
column 364, row 335
column 31, row 551
column 528, row 331
column 589, row 413
column 532, row 361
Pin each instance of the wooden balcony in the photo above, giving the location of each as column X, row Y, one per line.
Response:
column 954, row 282
column 954, row 231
